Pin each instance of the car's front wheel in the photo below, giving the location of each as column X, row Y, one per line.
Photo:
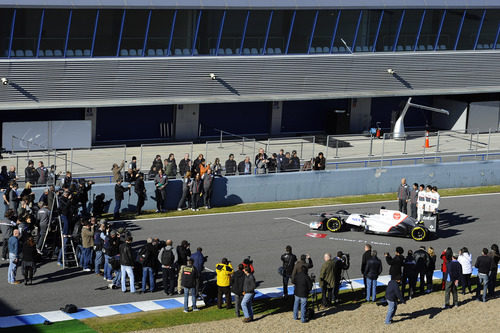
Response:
column 419, row 233
column 334, row 224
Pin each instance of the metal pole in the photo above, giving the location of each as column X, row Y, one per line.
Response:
column 12, row 145
column 301, row 149
column 243, row 146
column 488, row 147
column 327, row 145
column 437, row 145
column 125, row 155
column 65, row 162
column 371, row 145
column 314, row 143
column 253, row 147
column 71, row 161
column 206, row 151
column 470, row 143
column 220, row 142
column 140, row 163
column 28, row 147
column 336, row 148
column 383, row 148
column 17, row 164
column 191, row 150
column 267, row 146
column 404, row 146
column 477, row 141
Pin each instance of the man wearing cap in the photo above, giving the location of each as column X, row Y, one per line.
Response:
column 224, row 271
column 454, row 270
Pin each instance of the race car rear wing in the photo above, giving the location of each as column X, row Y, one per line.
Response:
column 431, row 221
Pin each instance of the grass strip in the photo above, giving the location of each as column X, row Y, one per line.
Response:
column 73, row 326
column 307, row 203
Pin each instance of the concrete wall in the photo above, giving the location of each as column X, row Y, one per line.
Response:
column 456, row 121
column 305, row 185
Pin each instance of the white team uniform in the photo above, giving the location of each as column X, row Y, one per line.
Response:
column 428, row 205
column 420, row 204
column 435, row 197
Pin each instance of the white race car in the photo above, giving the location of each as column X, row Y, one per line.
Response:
column 387, row 222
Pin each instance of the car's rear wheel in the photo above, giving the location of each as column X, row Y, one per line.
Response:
column 419, row 233
column 334, row 224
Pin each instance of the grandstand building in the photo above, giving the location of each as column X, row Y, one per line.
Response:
column 146, row 70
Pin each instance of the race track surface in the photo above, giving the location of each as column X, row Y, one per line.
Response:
column 469, row 221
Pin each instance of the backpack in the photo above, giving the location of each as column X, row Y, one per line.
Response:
column 70, row 308
column 167, row 258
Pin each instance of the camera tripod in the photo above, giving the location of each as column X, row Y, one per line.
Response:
column 64, row 244
column 348, row 280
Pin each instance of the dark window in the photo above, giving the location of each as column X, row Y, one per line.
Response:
column 55, row 26
column 388, row 30
column 300, row 35
column 450, row 30
column 430, row 29
column 26, row 30
column 81, row 32
column 208, row 32
column 159, row 31
column 367, row 30
column 5, row 27
column 256, row 31
column 489, row 30
column 185, row 26
column 409, row 30
column 233, row 30
column 346, row 30
column 134, row 31
column 324, row 29
column 108, row 32
column 469, row 30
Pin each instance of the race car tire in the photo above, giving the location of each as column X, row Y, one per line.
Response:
column 419, row 233
column 334, row 224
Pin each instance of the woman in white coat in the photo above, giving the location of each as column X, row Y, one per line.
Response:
column 465, row 259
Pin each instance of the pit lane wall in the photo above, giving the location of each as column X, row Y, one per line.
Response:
column 306, row 185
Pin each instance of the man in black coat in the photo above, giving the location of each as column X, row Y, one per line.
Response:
column 30, row 173
column 184, row 165
column 303, row 286
column 230, row 166
column 454, row 270
column 140, row 190
column 245, row 167
column 119, row 196
column 183, row 253
column 396, row 263
column 422, row 260
column 288, row 259
column 372, row 271
column 237, row 280
column 127, row 264
column 366, row 256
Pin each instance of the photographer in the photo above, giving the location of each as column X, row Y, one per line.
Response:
column 199, row 262
column 183, row 253
column 288, row 259
column 237, row 280
column 224, row 270
column 305, row 263
column 119, row 195
column 140, row 190
column 341, row 262
column 303, row 285
column 161, row 181
column 327, row 280
column 396, row 263
column 83, row 194
column 42, row 216
column 30, row 173
column 65, row 215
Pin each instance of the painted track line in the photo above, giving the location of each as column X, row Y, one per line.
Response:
column 292, row 208
column 293, row 220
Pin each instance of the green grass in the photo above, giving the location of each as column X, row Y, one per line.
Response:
column 308, row 203
column 72, row 326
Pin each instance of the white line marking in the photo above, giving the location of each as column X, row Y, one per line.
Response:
column 293, row 220
column 302, row 207
column 358, row 241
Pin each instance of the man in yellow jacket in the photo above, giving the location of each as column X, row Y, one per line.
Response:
column 224, row 271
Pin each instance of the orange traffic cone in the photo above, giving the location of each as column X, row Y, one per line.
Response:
column 377, row 135
column 427, row 145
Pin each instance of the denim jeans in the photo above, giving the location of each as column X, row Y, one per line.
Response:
column 118, row 278
column 147, row 272
column 237, row 304
column 86, row 257
column 246, row 305
column 371, row 289
column 128, row 270
column 482, row 278
column 391, row 311
column 98, row 262
column 188, row 291
column 107, row 268
column 303, row 303
column 11, row 276
column 285, row 284
column 118, row 204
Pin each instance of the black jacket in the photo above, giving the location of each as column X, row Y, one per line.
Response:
column 126, row 255
column 249, row 284
column 364, row 259
column 454, row 270
column 237, row 280
column 119, row 191
column 396, row 264
column 303, row 284
column 373, row 268
column 393, row 292
column 230, row 167
column 139, row 188
column 483, row 264
column 422, row 259
column 149, row 256
column 294, row 164
column 289, row 260
column 182, row 255
column 241, row 168
column 319, row 163
column 410, row 267
column 184, row 166
column 189, row 275
column 31, row 175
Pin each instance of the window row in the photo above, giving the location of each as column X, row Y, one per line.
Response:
column 124, row 33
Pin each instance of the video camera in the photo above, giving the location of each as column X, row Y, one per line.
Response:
column 346, row 258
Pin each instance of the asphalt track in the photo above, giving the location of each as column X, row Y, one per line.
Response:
column 465, row 221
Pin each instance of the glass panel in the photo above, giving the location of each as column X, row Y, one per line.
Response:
column 301, row 33
column 5, row 26
column 159, row 31
column 489, row 30
column 469, row 30
column 409, row 30
column 81, row 32
column 185, row 26
column 430, row 29
column 209, row 32
column 55, row 26
column 134, row 30
column 256, row 32
column 450, row 29
column 108, row 32
column 346, row 29
column 233, row 29
column 324, row 29
column 26, row 32
column 388, row 30
column 367, row 30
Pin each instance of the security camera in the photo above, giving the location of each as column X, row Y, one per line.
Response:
column 391, row 71
column 5, row 81
column 212, row 76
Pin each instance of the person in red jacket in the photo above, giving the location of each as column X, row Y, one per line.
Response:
column 248, row 263
column 446, row 256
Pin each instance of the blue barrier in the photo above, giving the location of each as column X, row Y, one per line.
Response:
column 318, row 184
